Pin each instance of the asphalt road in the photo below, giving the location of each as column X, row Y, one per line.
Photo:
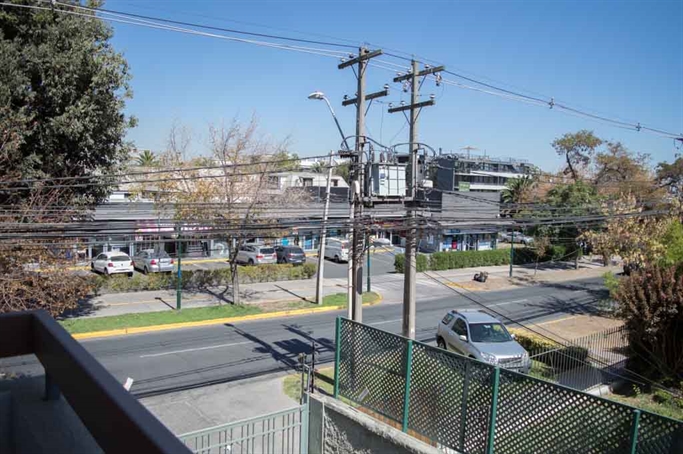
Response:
column 181, row 359
column 380, row 263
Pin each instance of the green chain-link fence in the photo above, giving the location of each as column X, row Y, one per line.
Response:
column 472, row 407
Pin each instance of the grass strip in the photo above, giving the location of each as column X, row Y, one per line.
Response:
column 195, row 314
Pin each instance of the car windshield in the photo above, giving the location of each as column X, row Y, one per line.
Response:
column 120, row 258
column 489, row 332
column 158, row 255
column 295, row 250
column 267, row 250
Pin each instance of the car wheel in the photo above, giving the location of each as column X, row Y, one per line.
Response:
column 106, row 272
column 130, row 274
column 251, row 262
column 440, row 343
column 336, row 259
column 145, row 270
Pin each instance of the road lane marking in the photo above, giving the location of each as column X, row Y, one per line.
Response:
column 386, row 321
column 195, row 349
column 508, row 302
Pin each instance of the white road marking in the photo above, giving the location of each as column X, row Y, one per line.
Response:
column 509, row 302
column 387, row 321
column 195, row 349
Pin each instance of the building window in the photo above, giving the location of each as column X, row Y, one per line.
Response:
column 307, row 182
column 335, row 183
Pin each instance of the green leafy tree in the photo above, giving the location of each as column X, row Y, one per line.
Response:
column 518, row 191
column 673, row 239
column 618, row 172
column 318, row 167
column 577, row 149
column 343, row 170
column 62, row 94
column 147, row 159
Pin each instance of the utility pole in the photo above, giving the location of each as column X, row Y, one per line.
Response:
column 410, row 268
column 179, row 279
column 356, row 256
column 323, row 234
column 512, row 250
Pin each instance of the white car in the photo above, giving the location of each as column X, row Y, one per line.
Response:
column 337, row 250
column 113, row 263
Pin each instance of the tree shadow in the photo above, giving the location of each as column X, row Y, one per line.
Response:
column 85, row 307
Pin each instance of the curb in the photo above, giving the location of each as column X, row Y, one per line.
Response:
column 216, row 321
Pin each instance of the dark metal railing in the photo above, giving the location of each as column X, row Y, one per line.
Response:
column 117, row 421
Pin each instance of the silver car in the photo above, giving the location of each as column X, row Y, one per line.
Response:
column 256, row 254
column 151, row 261
column 478, row 335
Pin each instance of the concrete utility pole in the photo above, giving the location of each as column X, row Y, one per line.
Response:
column 410, row 267
column 179, row 277
column 323, row 234
column 356, row 256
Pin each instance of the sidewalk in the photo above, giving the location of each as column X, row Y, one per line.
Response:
column 209, row 406
column 389, row 285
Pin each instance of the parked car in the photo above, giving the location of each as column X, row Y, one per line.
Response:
column 109, row 263
column 381, row 242
column 337, row 249
column 256, row 254
column 518, row 238
column 478, row 335
column 290, row 254
column 151, row 261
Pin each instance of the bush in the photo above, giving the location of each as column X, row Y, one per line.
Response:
column 556, row 252
column 195, row 280
column 453, row 260
column 421, row 263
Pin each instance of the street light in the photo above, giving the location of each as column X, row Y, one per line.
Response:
column 320, row 96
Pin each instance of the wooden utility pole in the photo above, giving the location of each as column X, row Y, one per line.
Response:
column 412, row 202
column 356, row 186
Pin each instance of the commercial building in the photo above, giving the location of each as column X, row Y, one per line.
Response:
column 466, row 172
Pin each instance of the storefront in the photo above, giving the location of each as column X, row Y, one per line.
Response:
column 458, row 240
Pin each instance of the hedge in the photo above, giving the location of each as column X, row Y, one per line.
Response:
column 560, row 358
column 421, row 262
column 440, row 261
column 194, row 280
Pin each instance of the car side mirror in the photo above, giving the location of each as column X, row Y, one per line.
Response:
column 512, row 335
column 463, row 338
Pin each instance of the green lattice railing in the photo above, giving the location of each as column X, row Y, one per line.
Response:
column 473, row 407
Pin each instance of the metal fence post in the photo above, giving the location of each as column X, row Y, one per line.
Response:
column 304, row 421
column 635, row 422
column 337, row 356
column 463, row 405
column 406, row 398
column 494, row 408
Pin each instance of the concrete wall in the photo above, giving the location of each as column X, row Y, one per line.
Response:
column 336, row 428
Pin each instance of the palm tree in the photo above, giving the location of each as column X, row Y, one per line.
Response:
column 519, row 190
column 318, row 167
column 147, row 159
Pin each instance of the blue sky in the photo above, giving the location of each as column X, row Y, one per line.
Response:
column 623, row 59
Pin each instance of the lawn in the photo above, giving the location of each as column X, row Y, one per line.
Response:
column 646, row 402
column 292, row 383
column 196, row 314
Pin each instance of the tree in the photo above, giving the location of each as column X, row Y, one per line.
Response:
column 236, row 196
column 518, row 191
column 651, row 305
column 577, row 149
column 618, row 171
column 146, row 159
column 670, row 177
column 62, row 94
column 319, row 167
column 343, row 170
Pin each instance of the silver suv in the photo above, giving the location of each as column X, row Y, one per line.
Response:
column 256, row 254
column 478, row 335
